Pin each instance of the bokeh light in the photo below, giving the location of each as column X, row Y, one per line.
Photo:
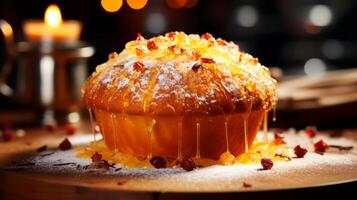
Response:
column 191, row 3
column 247, row 16
column 155, row 23
column 111, row 5
column 53, row 16
column 137, row 4
column 320, row 15
column 176, row 3
column 315, row 67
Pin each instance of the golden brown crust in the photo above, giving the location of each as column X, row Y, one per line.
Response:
column 179, row 74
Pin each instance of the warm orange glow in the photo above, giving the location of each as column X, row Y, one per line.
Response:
column 137, row 4
column 176, row 3
column 111, row 5
column 191, row 3
column 53, row 16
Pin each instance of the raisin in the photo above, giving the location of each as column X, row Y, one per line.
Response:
column 96, row 157
column 158, row 162
column 267, row 163
column 196, row 66
column 188, row 164
column 42, row 148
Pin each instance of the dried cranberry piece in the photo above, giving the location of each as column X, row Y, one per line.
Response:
column 172, row 48
column 51, row 127
column 8, row 134
column 65, row 145
column 310, row 132
column 267, row 163
column 96, row 157
column 196, row 55
column 70, row 129
column 139, row 67
column 278, row 139
column 196, row 66
column 207, row 60
column 171, row 35
column 158, row 162
column 206, row 36
column 320, row 146
column 42, row 148
column 152, row 45
column 300, row 151
column 247, row 185
column 188, row 164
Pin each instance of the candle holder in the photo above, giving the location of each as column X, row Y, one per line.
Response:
column 50, row 76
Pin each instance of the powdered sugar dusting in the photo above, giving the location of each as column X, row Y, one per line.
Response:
column 314, row 169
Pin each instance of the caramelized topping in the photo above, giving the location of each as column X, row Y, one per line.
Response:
column 139, row 51
column 170, row 58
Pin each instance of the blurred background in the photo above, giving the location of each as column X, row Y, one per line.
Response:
column 301, row 41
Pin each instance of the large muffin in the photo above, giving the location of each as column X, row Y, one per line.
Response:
column 179, row 96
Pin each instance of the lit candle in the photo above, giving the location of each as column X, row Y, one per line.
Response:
column 53, row 28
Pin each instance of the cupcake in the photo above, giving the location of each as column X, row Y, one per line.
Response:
column 180, row 96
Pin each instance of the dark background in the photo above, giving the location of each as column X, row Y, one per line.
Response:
column 280, row 34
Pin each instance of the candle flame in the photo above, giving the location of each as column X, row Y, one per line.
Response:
column 53, row 16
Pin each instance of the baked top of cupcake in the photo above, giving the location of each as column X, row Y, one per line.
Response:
column 179, row 74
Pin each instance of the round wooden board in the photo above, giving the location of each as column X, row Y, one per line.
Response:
column 40, row 175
